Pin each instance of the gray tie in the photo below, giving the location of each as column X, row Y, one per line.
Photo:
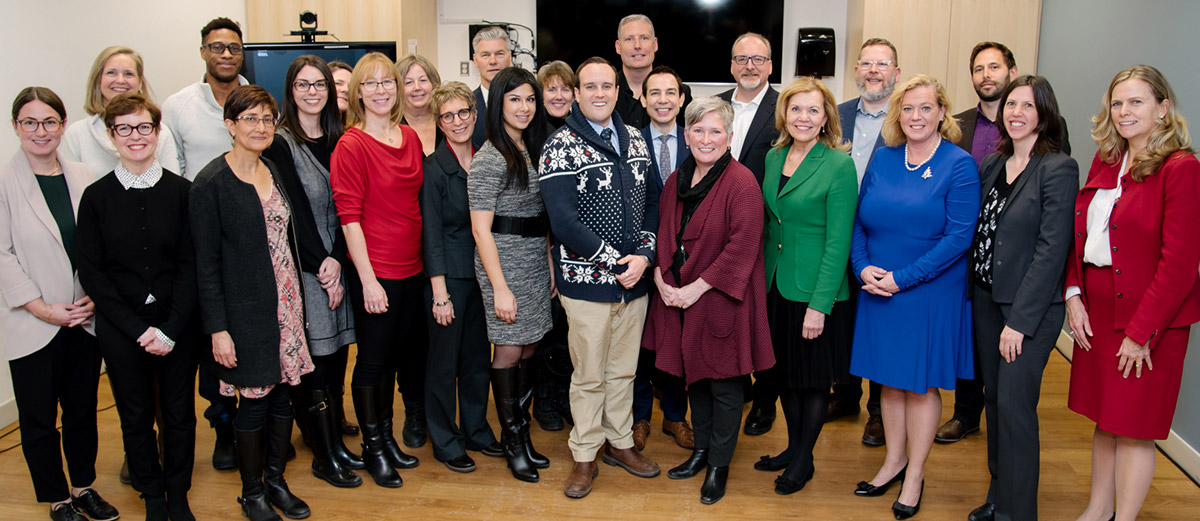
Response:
column 664, row 158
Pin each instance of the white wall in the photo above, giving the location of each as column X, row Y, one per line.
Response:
column 53, row 44
column 455, row 15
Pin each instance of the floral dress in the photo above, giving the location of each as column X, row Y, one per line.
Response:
column 294, row 359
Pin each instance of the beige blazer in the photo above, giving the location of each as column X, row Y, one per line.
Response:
column 33, row 258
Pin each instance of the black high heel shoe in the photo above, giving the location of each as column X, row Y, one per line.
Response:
column 903, row 511
column 866, row 489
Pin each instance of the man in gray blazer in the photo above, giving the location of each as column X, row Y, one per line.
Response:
column 875, row 75
column 491, row 51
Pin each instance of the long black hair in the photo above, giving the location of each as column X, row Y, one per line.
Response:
column 331, row 118
column 534, row 135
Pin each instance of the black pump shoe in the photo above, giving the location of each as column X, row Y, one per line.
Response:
column 714, row 484
column 866, row 489
column 690, row 468
column 903, row 511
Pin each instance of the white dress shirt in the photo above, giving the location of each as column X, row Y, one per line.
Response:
column 743, row 115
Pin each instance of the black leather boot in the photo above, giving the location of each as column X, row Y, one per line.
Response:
column 279, row 435
column 225, row 454
column 341, row 454
column 325, row 437
column 713, row 488
column 366, row 407
column 339, row 406
column 524, row 401
column 416, row 429
column 254, row 496
column 504, row 389
column 387, row 402
column 690, row 468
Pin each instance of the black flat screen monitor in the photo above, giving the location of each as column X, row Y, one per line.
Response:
column 266, row 64
column 695, row 37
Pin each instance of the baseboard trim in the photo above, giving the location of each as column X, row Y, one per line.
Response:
column 8, row 414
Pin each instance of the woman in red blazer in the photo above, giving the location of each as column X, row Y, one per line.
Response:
column 1132, row 284
column 709, row 324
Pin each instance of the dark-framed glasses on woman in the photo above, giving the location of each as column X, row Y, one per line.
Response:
column 125, row 129
column 31, row 125
column 303, row 86
column 448, row 117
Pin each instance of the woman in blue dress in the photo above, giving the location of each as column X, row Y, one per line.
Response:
column 916, row 215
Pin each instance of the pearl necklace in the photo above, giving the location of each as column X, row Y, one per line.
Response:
column 922, row 163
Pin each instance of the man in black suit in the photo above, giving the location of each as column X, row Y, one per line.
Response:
column 753, row 131
column 662, row 97
column 491, row 51
column 636, row 45
column 753, row 102
column 875, row 75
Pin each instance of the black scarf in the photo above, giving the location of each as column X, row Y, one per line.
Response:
column 692, row 196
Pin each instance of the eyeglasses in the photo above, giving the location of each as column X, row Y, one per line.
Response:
column 741, row 59
column 303, row 86
column 882, row 64
column 253, row 120
column 126, row 130
column 31, row 125
column 219, row 48
column 448, row 117
column 372, row 85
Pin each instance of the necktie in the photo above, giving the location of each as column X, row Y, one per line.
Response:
column 606, row 135
column 664, row 157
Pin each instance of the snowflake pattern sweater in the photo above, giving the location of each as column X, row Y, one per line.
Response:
column 601, row 208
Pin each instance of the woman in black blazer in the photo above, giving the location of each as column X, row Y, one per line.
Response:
column 1017, row 262
column 136, row 261
column 251, row 298
column 459, row 362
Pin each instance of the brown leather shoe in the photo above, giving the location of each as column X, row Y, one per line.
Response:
column 681, row 431
column 873, row 432
column 953, row 430
column 633, row 461
column 579, row 482
column 841, row 409
column 641, row 430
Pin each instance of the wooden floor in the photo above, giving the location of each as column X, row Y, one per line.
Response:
column 957, row 479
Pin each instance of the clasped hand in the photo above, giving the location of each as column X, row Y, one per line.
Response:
column 878, row 281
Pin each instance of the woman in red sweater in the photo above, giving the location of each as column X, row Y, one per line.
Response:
column 376, row 176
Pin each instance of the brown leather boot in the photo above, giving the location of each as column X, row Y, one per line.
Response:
column 633, row 461
column 641, row 430
column 579, row 482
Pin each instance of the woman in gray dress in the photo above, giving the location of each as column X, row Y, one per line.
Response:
column 512, row 264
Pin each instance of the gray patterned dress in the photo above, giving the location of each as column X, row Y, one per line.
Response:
column 523, row 260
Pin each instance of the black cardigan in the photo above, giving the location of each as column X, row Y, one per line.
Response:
column 134, row 243
column 238, row 292
column 312, row 249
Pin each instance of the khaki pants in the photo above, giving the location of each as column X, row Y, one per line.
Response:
column 604, row 339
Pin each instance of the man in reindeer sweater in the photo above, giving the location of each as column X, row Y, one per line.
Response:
column 604, row 214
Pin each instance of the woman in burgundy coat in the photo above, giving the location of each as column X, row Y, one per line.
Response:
column 1132, row 285
column 710, row 276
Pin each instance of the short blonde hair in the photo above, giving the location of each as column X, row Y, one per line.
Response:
column 1169, row 135
column 94, row 103
column 451, row 90
column 893, row 131
column 369, row 64
column 831, row 131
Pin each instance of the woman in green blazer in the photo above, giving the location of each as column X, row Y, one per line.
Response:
column 810, row 192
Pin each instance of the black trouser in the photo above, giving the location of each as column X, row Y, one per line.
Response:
column 1013, row 390
column 458, row 364
column 674, row 396
column 65, row 373
column 717, row 416
column 134, row 374
column 253, row 412
column 851, row 390
column 394, row 341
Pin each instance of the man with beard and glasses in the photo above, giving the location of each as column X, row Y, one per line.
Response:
column 753, row 131
column 875, row 74
column 196, row 117
column 195, row 113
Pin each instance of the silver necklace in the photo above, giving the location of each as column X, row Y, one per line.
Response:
column 922, row 163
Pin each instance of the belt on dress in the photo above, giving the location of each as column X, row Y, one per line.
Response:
column 538, row 226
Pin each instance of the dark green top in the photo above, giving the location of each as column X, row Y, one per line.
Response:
column 54, row 189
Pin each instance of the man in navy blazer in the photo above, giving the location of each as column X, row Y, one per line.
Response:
column 491, row 52
column 875, row 74
column 663, row 97
column 753, row 102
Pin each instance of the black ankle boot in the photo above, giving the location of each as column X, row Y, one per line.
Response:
column 250, row 466
column 324, row 466
column 366, row 407
column 524, row 401
column 504, row 388
column 391, row 449
column 690, row 468
column 713, row 488
column 415, row 426
column 178, row 507
column 279, row 434
column 225, row 455
column 156, row 508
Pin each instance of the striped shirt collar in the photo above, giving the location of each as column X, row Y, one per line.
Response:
column 130, row 180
